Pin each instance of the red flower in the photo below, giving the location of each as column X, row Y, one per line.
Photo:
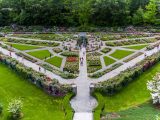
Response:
column 72, row 59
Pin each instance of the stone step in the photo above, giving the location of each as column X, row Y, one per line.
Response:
column 83, row 116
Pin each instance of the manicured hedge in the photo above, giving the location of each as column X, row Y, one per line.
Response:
column 51, row 86
column 115, row 84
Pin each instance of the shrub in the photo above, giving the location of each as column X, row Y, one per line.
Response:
column 15, row 108
column 57, row 50
column 106, row 50
column 70, row 54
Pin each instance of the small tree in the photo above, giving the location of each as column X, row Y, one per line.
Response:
column 154, row 87
column 15, row 107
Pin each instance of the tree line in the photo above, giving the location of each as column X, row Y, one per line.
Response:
column 80, row 12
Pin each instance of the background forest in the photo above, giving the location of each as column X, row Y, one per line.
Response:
column 80, row 12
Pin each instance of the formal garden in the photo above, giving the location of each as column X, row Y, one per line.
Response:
column 61, row 54
column 80, row 60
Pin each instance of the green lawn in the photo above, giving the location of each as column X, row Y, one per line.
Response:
column 132, row 95
column 143, row 112
column 56, row 61
column 108, row 60
column 37, row 105
column 41, row 54
column 119, row 54
column 137, row 47
column 23, row 47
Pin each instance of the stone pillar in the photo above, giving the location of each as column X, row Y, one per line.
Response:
column 91, row 88
column 74, row 89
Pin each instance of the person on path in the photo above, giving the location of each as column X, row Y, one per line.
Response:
column 145, row 55
column 10, row 54
column 39, row 68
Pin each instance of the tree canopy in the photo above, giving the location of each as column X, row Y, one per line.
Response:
column 79, row 12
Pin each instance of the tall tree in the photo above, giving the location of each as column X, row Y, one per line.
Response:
column 151, row 12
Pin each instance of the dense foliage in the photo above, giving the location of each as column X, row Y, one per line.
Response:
column 79, row 12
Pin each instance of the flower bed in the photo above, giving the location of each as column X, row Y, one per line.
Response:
column 115, row 84
column 106, row 50
column 70, row 54
column 51, row 86
column 93, row 62
column 57, row 50
column 72, row 59
column 53, row 37
column 71, row 67
column 153, row 46
column 131, row 42
column 123, row 36
column 40, row 43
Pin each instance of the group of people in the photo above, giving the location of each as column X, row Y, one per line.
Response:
column 82, row 59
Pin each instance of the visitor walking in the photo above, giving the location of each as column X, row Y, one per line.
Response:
column 10, row 54
column 145, row 55
column 39, row 68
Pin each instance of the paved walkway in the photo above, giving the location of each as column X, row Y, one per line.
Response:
column 83, row 102
column 83, row 116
